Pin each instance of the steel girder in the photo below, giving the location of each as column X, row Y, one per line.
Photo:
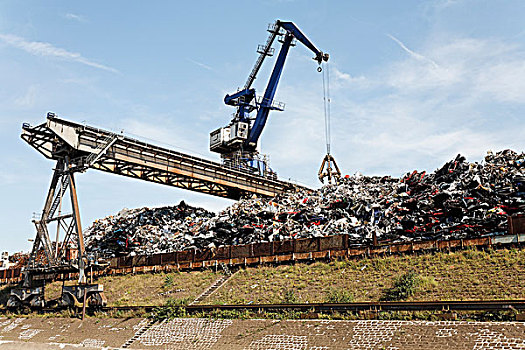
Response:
column 89, row 147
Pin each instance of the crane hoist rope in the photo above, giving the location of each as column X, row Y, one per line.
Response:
column 329, row 168
column 326, row 103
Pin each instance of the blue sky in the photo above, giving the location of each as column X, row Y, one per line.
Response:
column 413, row 83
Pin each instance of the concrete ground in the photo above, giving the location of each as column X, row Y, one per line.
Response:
column 195, row 333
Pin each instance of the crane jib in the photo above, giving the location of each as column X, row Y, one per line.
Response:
column 264, row 110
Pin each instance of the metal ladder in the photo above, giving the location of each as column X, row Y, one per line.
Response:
column 264, row 50
column 216, row 285
column 58, row 197
column 225, row 269
column 137, row 335
column 101, row 149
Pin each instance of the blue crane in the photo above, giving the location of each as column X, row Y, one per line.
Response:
column 237, row 142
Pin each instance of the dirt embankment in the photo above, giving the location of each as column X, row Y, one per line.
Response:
column 462, row 275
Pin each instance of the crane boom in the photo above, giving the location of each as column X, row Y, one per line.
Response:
column 292, row 32
column 296, row 32
column 264, row 51
column 267, row 100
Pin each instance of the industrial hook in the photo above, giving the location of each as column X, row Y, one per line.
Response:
column 319, row 69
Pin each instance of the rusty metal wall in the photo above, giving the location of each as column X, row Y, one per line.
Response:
column 282, row 247
column 203, row 255
column 516, row 224
column 306, row 245
column 223, row 253
column 333, row 242
column 277, row 252
column 301, row 247
column 262, row 249
column 241, row 251
column 168, row 258
column 185, row 256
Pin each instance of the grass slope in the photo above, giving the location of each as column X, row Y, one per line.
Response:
column 148, row 289
column 463, row 275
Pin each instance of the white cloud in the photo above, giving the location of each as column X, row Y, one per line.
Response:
column 37, row 48
column 28, row 99
column 410, row 76
column 402, row 138
column 503, row 81
column 295, row 138
column 159, row 130
column 415, row 55
column 444, row 4
column 7, row 178
column 74, row 17
column 341, row 79
column 200, row 64
column 421, row 72
column 487, row 70
column 438, row 111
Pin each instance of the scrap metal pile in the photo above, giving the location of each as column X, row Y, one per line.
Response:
column 146, row 230
column 459, row 200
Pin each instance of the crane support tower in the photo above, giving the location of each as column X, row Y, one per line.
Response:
column 49, row 259
column 237, row 142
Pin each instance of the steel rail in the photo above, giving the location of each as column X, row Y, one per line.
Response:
column 375, row 306
column 479, row 305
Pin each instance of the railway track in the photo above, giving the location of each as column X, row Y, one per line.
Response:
column 449, row 305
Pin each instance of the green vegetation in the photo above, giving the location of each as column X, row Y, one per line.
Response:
column 149, row 288
column 168, row 281
column 289, row 297
column 463, row 275
column 404, row 287
column 173, row 308
column 177, row 311
column 334, row 295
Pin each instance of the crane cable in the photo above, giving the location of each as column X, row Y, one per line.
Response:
column 329, row 168
column 326, row 100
